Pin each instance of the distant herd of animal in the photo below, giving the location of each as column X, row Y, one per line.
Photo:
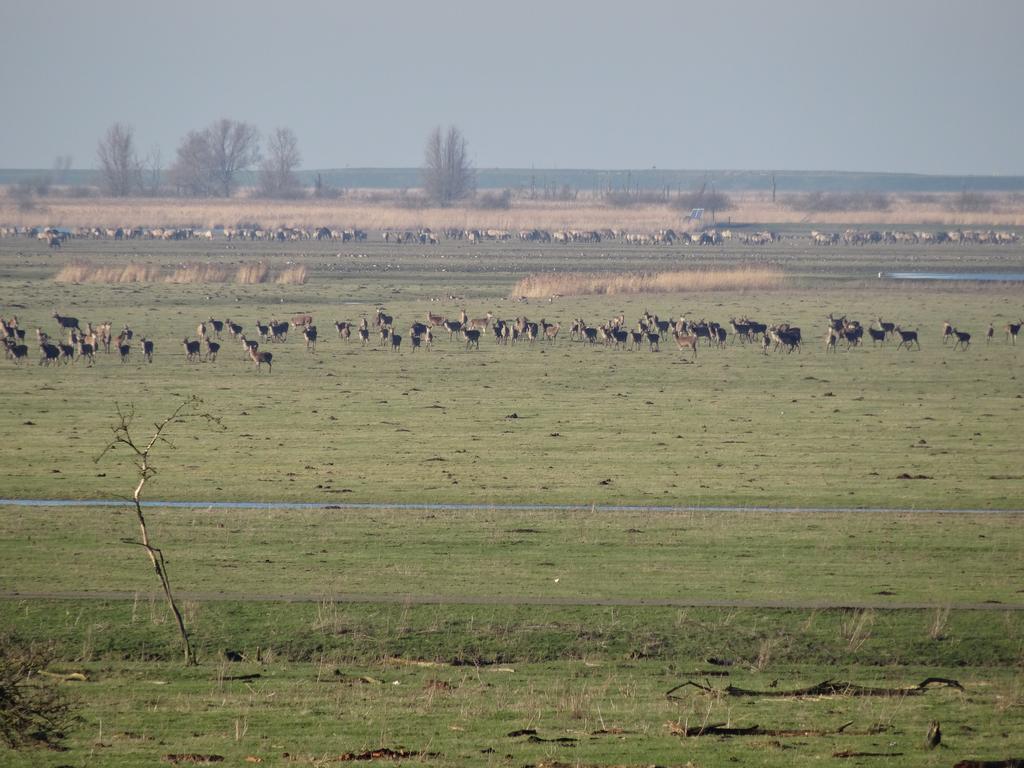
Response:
column 75, row 343
column 56, row 236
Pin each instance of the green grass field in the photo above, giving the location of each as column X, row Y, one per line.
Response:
column 443, row 631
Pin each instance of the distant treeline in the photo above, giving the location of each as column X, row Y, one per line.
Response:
column 560, row 183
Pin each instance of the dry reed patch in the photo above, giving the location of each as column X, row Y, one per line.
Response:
column 86, row 272
column 247, row 274
column 612, row 284
column 296, row 275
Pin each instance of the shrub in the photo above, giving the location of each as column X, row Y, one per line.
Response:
column 33, row 711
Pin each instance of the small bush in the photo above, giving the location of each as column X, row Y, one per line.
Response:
column 33, row 711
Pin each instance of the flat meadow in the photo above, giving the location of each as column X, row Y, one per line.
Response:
column 768, row 521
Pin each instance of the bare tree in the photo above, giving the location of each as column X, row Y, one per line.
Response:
column 448, row 174
column 208, row 161
column 141, row 458
column 277, row 171
column 190, row 172
column 234, row 146
column 120, row 167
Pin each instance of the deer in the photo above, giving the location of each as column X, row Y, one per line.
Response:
column 263, row 329
column 147, row 349
column 415, row 341
column 382, row 319
column 84, row 349
column 481, row 323
column 472, row 337
column 201, row 330
column 278, row 330
column 364, row 335
column 248, row 346
column 1012, row 329
column 260, row 358
column 831, row 337
column 212, row 348
column 686, row 341
column 947, row 331
column 963, row 340
column 877, row 335
column 51, row 354
column 453, row 327
column 990, row 333
column 888, row 328
column 124, row 350
column 105, row 336
column 433, row 319
column 385, row 334
column 344, row 329
column 740, row 330
column 234, row 329
column 66, row 323
column 309, row 334
column 652, row 340
column 191, row 350
column 428, row 339
column 301, row 321
column 217, row 325
column 396, row 342
column 15, row 351
column 551, row 331
column 907, row 337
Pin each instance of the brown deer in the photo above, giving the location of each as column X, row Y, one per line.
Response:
column 301, row 321
column 947, row 331
column 686, row 341
column 551, row 330
column 433, row 319
column 262, row 357
column 344, row 329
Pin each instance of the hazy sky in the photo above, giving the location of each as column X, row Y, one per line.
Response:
column 911, row 86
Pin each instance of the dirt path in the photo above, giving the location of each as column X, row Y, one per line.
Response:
column 626, row 602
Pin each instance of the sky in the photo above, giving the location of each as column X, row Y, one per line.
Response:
column 910, row 86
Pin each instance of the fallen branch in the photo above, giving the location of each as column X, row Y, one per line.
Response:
column 824, row 688
column 721, row 729
column 853, row 753
column 384, row 753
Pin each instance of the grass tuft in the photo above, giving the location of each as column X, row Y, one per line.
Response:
column 612, row 284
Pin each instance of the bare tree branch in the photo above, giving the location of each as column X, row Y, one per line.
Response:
column 141, row 460
column 277, row 177
column 120, row 167
column 448, row 174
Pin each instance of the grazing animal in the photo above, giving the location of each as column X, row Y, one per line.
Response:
column 249, row 346
column 907, row 337
column 686, row 341
column 963, row 340
column 396, row 342
column 278, row 331
column 551, row 331
column 831, row 337
column 947, row 331
column 15, row 351
column 212, row 348
column 263, row 329
column 652, row 340
column 453, row 327
column 124, row 350
column 147, row 349
column 217, row 325
column 309, row 334
column 990, row 333
column 435, row 320
column 888, row 328
column 86, row 350
column 481, row 323
column 344, row 329
column 66, row 323
column 382, row 319
column 364, row 335
column 877, row 335
column 1012, row 329
column 301, row 321
column 234, row 329
column 201, row 331
column 385, row 334
column 417, row 329
column 428, row 339
column 191, row 350
column 472, row 337
column 262, row 357
column 51, row 353
column 415, row 341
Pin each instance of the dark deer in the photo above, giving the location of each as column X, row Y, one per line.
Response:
column 263, row 329
column 947, row 331
column 472, row 337
column 1012, row 329
column 124, row 350
column 453, row 327
column 66, row 323
column 309, row 334
column 147, row 349
column 217, row 325
column 396, row 342
column 212, row 348
column 234, row 329
column 907, row 337
column 191, row 350
column 963, row 340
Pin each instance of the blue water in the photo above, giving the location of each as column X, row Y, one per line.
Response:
column 1001, row 277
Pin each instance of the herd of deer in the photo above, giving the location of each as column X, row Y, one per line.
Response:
column 83, row 344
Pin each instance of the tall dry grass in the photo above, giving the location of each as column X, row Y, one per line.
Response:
column 247, row 274
column 85, row 272
column 585, row 212
column 612, row 284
